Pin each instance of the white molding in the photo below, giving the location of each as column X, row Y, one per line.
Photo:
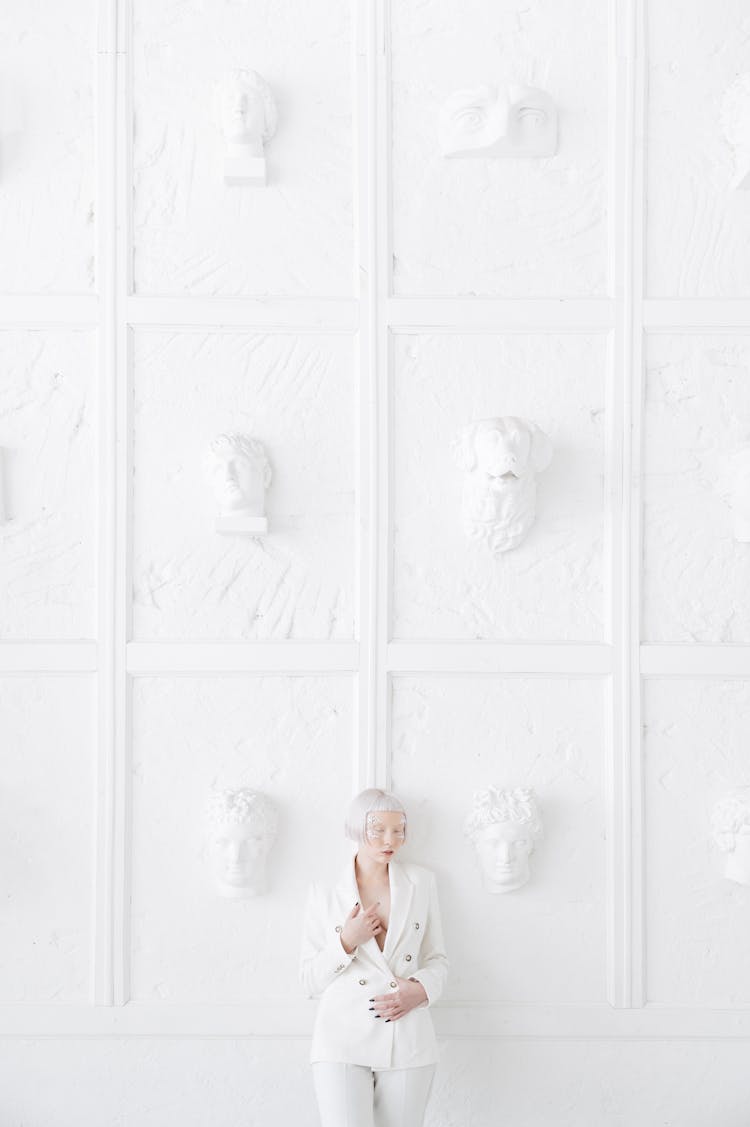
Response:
column 269, row 1020
column 696, row 315
column 500, row 315
column 695, row 660
column 495, row 657
column 196, row 314
column 71, row 312
column 106, row 276
column 242, row 657
column 48, row 657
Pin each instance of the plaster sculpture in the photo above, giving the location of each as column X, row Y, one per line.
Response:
column 242, row 826
column 503, row 826
column 240, row 473
column 501, row 458
column 740, row 496
column 730, row 822
column 735, row 124
column 248, row 118
column 3, row 514
column 517, row 121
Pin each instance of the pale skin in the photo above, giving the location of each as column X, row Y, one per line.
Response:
column 384, row 838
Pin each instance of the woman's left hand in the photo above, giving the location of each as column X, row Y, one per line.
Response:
column 393, row 1006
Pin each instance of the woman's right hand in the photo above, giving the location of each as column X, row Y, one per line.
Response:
column 360, row 926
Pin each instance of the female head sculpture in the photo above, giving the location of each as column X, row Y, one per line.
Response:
column 242, row 826
column 730, row 823
column 248, row 119
column 240, row 473
column 503, row 826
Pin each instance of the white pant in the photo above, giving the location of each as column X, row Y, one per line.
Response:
column 353, row 1095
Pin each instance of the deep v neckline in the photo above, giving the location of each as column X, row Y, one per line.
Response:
column 384, row 934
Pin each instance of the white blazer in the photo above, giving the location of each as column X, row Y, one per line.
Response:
column 345, row 1029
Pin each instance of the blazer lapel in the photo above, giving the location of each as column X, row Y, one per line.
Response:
column 347, row 894
column 402, row 891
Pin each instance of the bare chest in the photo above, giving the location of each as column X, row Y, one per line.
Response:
column 371, row 894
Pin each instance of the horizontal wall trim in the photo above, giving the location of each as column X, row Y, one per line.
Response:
column 295, row 1020
column 697, row 314
column 48, row 657
column 696, row 659
column 499, row 314
column 39, row 312
column 242, row 657
column 197, row 313
column 496, row 657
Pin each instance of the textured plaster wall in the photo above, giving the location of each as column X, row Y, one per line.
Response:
column 48, row 436
column 695, row 751
column 297, row 395
column 46, row 834
column 455, row 735
column 460, row 229
column 195, row 235
column 507, row 228
column 550, row 588
column 286, row 736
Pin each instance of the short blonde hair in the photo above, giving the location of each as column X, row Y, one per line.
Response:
column 366, row 802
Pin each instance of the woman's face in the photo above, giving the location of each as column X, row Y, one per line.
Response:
column 385, row 832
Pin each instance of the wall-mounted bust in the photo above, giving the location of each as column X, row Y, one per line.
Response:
column 517, row 121
column 503, row 826
column 242, row 826
column 730, row 822
column 240, row 473
column 501, row 458
column 735, row 125
column 740, row 496
column 248, row 118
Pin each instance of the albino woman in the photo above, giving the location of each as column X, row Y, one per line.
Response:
column 372, row 951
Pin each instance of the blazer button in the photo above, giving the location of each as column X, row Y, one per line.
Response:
column 408, row 958
column 394, row 985
column 363, row 982
column 340, row 967
column 339, row 927
column 416, row 926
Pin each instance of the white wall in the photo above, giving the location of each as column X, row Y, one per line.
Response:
column 352, row 314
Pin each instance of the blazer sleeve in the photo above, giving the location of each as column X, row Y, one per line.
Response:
column 433, row 961
column 322, row 956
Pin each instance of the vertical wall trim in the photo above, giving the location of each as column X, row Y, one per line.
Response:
column 626, row 965
column 106, row 267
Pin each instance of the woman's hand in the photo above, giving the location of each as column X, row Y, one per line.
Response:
column 393, row 1006
column 360, row 926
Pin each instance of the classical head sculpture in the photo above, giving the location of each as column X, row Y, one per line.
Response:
column 241, row 827
column 240, row 473
column 735, row 125
column 503, row 826
column 516, row 121
column 740, row 493
column 500, row 458
column 730, row 823
column 248, row 118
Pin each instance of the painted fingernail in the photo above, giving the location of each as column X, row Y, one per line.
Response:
column 370, row 999
column 377, row 1015
column 371, row 1008
column 387, row 1019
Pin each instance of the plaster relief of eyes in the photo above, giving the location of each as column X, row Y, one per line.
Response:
column 500, row 458
column 248, row 118
column 519, row 121
column 241, row 828
column 730, row 825
column 503, row 826
column 735, row 126
column 240, row 473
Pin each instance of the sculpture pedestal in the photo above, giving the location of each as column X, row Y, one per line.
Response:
column 239, row 523
column 239, row 168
